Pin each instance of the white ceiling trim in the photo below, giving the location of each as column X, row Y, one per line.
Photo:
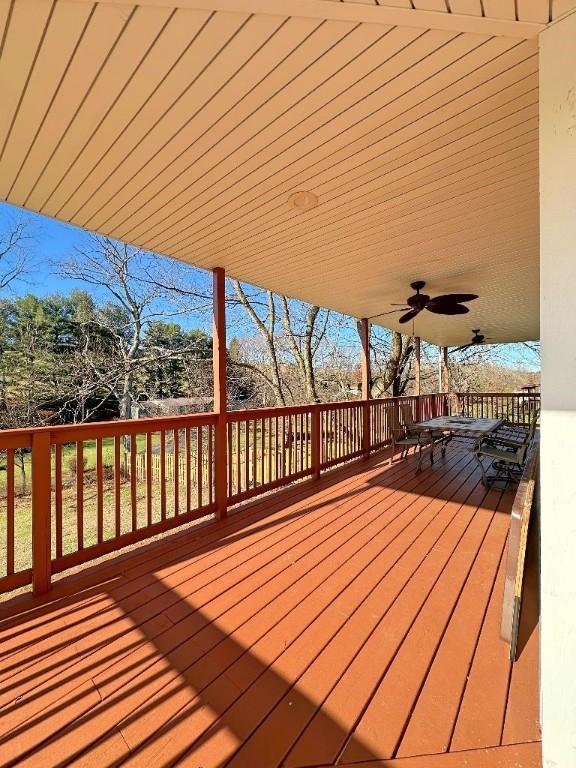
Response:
column 356, row 12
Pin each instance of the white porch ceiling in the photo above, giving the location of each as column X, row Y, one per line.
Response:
column 186, row 130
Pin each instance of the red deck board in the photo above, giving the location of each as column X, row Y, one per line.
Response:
column 513, row 756
column 269, row 639
column 432, row 719
column 326, row 734
column 268, row 646
column 481, row 715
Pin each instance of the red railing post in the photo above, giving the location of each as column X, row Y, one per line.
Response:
column 366, row 385
column 41, row 512
column 220, row 400
column 417, row 352
column 315, row 442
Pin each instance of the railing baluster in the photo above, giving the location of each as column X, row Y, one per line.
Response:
column 270, row 478
column 57, row 497
column 276, row 475
column 188, row 468
column 254, row 468
column 9, row 511
column 262, row 458
column 238, row 459
column 199, row 464
column 247, row 455
column 229, row 452
column 80, row 494
column 133, row 481
column 176, row 454
column 117, row 486
column 211, row 460
column 99, row 492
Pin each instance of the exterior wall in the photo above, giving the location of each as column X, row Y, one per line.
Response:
column 558, row 334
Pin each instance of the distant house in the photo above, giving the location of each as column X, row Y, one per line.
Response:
column 171, row 406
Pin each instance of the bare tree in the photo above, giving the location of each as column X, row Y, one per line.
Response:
column 292, row 333
column 266, row 326
column 15, row 252
column 113, row 349
column 392, row 362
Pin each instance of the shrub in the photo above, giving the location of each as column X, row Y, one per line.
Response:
column 73, row 466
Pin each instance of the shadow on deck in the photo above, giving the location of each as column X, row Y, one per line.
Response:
column 351, row 621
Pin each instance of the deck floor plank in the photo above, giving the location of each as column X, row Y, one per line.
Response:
column 481, row 717
column 432, row 720
column 321, row 661
column 382, row 725
column 281, row 637
column 267, row 631
column 330, row 723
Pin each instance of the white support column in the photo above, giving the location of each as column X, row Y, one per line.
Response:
column 558, row 331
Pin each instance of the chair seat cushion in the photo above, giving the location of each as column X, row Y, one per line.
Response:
column 414, row 440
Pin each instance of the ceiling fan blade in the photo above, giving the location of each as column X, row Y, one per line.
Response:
column 455, row 298
column 461, row 349
column 391, row 312
column 409, row 316
column 447, row 309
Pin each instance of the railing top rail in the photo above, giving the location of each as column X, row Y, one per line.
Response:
column 341, row 405
column 289, row 410
column 498, row 394
column 14, row 439
column 63, row 433
column 22, row 438
column 263, row 413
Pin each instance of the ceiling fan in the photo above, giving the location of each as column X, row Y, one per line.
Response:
column 477, row 338
column 447, row 304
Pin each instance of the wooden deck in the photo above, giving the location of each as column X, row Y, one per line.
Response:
column 355, row 625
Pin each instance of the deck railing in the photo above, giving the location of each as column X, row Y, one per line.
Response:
column 516, row 408
column 70, row 494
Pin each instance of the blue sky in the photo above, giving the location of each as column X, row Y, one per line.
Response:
column 52, row 240
column 55, row 240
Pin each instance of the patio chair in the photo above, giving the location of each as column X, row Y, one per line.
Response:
column 517, row 432
column 508, row 457
column 440, row 436
column 408, row 436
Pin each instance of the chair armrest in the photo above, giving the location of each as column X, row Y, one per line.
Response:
column 510, row 443
column 495, row 440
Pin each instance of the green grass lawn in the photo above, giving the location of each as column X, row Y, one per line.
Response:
column 68, row 457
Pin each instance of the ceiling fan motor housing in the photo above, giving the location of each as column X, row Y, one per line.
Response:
column 419, row 300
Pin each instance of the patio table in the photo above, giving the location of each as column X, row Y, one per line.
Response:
column 466, row 429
